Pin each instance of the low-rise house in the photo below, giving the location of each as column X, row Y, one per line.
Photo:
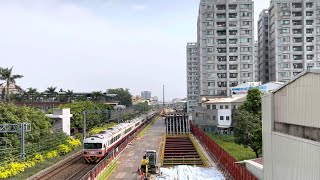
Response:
column 216, row 114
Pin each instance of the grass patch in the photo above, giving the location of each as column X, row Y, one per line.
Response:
column 147, row 127
column 42, row 165
column 239, row 152
column 108, row 171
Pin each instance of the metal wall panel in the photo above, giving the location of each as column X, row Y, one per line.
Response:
column 292, row 158
column 298, row 103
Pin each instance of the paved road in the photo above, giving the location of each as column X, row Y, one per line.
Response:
column 129, row 160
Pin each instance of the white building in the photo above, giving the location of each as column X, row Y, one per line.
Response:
column 192, row 76
column 291, row 129
column 61, row 120
column 225, row 40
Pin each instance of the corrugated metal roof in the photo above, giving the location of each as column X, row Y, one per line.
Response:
column 314, row 71
column 226, row 100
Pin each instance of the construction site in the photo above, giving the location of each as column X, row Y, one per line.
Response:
column 172, row 148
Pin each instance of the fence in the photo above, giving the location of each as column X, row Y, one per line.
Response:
column 222, row 158
column 109, row 158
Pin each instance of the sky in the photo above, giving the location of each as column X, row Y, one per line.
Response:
column 94, row 45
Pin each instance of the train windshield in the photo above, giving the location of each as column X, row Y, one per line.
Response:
column 92, row 145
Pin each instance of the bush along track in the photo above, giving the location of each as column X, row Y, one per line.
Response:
column 13, row 168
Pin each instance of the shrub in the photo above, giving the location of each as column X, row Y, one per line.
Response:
column 73, row 143
column 63, row 149
column 37, row 158
column 52, row 154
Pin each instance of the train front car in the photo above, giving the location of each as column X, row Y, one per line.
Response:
column 94, row 148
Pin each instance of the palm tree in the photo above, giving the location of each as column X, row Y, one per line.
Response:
column 51, row 91
column 69, row 94
column 32, row 92
column 7, row 76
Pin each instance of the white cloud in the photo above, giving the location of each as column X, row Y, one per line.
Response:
column 139, row 7
column 67, row 45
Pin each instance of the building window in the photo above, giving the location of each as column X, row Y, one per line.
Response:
column 221, row 106
column 296, row 22
column 297, row 65
column 214, row 118
column 226, row 106
column 309, row 22
column 297, row 48
column 221, row 15
column 233, row 49
column 309, row 13
column 297, row 5
column 309, row 31
column 232, row 15
column 208, row 106
column 309, row 4
column 297, row 39
column 233, row 23
column 310, row 48
column 221, row 118
column 233, row 75
column 310, row 39
column 297, row 57
column 310, row 56
column 214, row 107
column 232, row 6
column 245, row 6
column 227, row 118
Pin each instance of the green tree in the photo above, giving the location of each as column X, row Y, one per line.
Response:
column 248, row 125
column 69, row 95
column 51, row 91
column 93, row 119
column 97, row 96
column 9, row 78
column 123, row 95
column 31, row 94
column 142, row 107
column 40, row 124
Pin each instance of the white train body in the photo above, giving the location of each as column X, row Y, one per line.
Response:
column 99, row 145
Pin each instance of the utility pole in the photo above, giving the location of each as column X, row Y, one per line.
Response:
column 84, row 114
column 163, row 97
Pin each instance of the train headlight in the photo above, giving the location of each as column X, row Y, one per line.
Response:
column 85, row 152
column 100, row 152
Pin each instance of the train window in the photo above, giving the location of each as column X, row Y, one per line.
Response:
column 92, row 145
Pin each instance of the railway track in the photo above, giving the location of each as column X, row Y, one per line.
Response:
column 72, row 169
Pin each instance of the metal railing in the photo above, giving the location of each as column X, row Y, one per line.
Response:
column 223, row 159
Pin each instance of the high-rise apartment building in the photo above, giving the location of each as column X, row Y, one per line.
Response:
column 256, row 61
column 263, row 47
column 225, row 35
column 294, row 37
column 146, row 95
column 192, row 76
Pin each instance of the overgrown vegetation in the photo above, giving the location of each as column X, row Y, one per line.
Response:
column 239, row 152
